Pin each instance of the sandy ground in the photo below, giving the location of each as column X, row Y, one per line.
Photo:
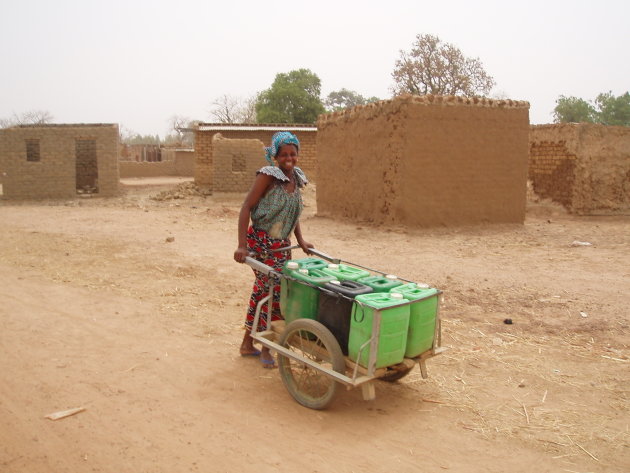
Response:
column 98, row 310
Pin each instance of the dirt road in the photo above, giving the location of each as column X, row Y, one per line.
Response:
column 98, row 310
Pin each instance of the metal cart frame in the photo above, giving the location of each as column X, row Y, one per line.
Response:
column 360, row 376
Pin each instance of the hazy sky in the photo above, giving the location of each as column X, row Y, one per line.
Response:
column 137, row 62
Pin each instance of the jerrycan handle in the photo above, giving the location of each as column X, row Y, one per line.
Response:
column 359, row 306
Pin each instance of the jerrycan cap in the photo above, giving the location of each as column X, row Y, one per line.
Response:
column 303, row 270
column 334, row 281
column 393, row 277
column 292, row 265
column 395, row 295
column 333, row 266
column 422, row 285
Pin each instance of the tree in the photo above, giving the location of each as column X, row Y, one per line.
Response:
column 230, row 109
column 177, row 125
column 294, row 97
column 182, row 134
column 344, row 98
column 434, row 67
column 32, row 117
column 606, row 109
column 613, row 110
column 573, row 110
column 129, row 137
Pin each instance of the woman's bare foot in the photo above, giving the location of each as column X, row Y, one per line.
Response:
column 267, row 359
column 247, row 346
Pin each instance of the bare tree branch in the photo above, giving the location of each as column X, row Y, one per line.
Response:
column 433, row 67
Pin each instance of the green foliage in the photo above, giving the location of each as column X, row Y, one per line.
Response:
column 607, row 110
column 292, row 98
column 573, row 110
column 344, row 98
column 434, row 67
column 613, row 110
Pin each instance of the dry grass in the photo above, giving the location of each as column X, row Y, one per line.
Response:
column 552, row 389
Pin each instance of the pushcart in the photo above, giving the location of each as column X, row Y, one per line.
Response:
column 311, row 363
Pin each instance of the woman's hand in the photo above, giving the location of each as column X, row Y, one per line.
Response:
column 305, row 246
column 240, row 254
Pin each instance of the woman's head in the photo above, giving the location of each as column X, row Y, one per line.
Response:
column 278, row 141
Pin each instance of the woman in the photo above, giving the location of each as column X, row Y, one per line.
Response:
column 274, row 204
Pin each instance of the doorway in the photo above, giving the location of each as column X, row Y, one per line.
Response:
column 86, row 167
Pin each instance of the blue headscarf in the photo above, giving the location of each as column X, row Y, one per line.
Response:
column 280, row 139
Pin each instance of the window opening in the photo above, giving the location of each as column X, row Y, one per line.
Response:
column 238, row 162
column 32, row 150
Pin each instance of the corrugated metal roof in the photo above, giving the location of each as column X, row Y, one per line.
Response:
column 255, row 127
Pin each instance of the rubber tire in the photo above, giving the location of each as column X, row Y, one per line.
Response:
column 395, row 375
column 314, row 332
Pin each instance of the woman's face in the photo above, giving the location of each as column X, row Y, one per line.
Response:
column 287, row 157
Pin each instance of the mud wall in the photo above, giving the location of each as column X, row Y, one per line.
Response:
column 584, row 167
column 204, row 167
column 425, row 161
column 175, row 163
column 235, row 163
column 140, row 153
column 40, row 161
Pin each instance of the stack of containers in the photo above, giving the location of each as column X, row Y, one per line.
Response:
column 422, row 316
column 298, row 300
column 343, row 272
column 392, row 341
column 336, row 300
column 381, row 283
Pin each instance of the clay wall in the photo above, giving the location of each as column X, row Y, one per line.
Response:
column 425, row 161
column 203, row 159
column 235, row 163
column 54, row 161
column 185, row 162
column 204, row 133
column 584, row 167
column 140, row 153
column 175, row 163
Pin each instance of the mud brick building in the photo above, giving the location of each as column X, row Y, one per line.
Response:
column 205, row 166
column 425, row 161
column 56, row 161
column 235, row 163
column 584, row 167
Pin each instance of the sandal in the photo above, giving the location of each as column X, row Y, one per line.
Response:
column 254, row 353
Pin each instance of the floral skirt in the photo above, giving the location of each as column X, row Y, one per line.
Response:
column 262, row 246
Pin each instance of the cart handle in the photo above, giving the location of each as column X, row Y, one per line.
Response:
column 267, row 270
column 258, row 266
column 321, row 254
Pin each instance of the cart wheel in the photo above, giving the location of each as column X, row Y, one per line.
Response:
column 311, row 340
column 396, row 372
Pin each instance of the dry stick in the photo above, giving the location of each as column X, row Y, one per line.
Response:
column 582, row 448
column 544, row 397
column 431, row 400
column 615, row 359
column 63, row 414
column 526, row 415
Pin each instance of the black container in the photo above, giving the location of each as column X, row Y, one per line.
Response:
column 335, row 308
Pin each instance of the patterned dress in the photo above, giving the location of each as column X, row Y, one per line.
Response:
column 273, row 219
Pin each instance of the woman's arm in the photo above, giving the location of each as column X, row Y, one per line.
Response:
column 257, row 191
column 300, row 241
